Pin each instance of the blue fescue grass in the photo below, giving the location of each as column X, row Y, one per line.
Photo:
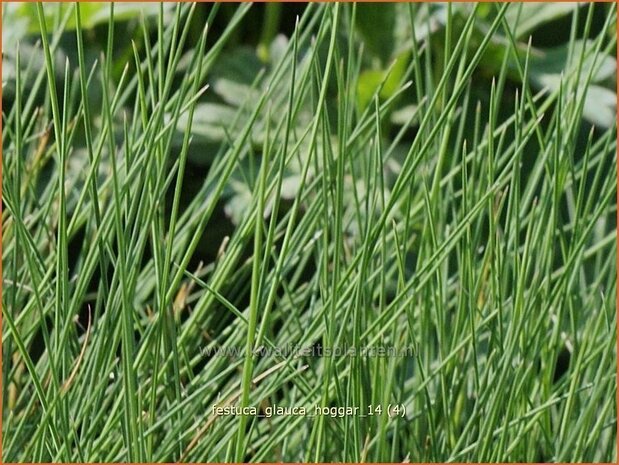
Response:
column 485, row 241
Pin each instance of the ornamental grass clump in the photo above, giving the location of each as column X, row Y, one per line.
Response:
column 370, row 235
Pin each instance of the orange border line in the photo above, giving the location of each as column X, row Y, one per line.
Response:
column 302, row 1
column 617, row 258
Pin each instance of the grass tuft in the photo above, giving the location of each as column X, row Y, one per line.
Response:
column 177, row 239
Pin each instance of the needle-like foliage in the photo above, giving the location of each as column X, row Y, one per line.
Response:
column 451, row 279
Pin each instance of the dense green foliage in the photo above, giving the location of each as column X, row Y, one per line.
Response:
column 437, row 180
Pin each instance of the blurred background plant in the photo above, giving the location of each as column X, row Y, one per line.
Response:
column 254, row 47
column 424, row 174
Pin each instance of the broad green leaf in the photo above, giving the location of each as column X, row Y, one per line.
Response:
column 600, row 106
column 547, row 65
column 23, row 16
column 371, row 80
column 403, row 115
column 211, row 121
column 368, row 82
column 600, row 103
column 376, row 24
column 535, row 14
column 239, row 65
column 235, row 93
column 554, row 61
